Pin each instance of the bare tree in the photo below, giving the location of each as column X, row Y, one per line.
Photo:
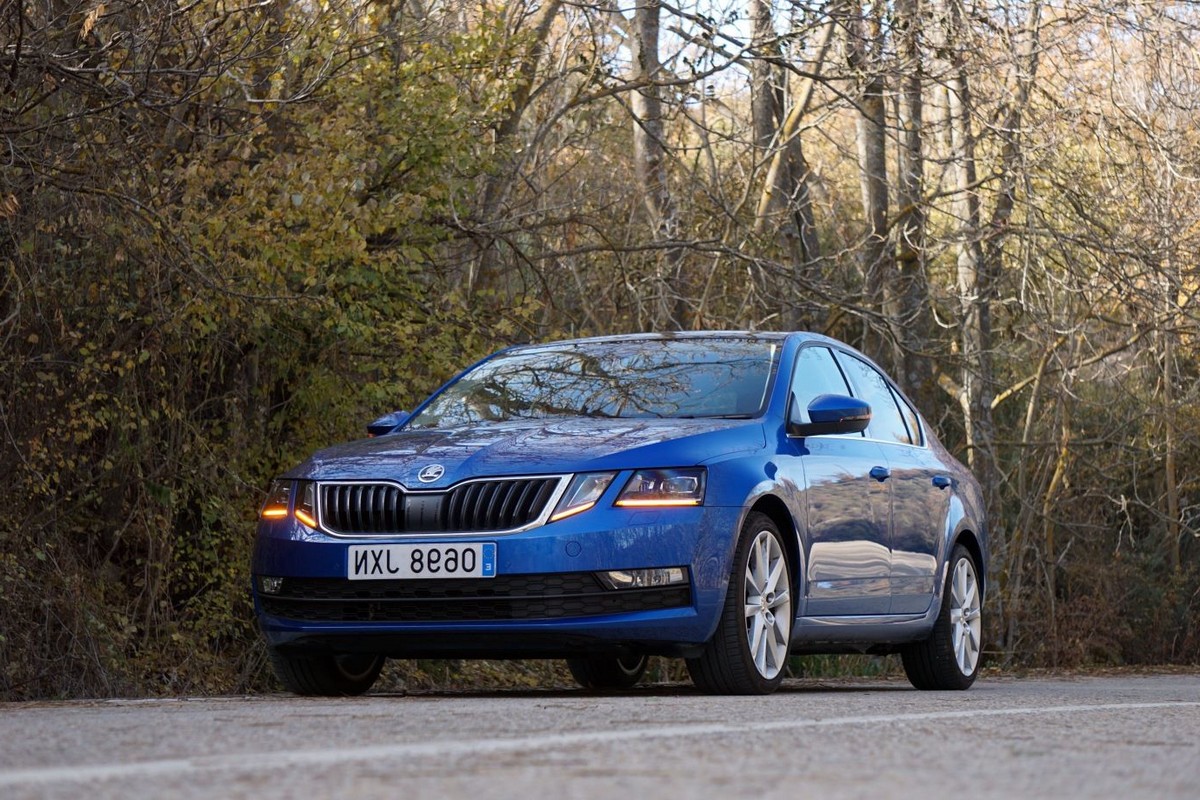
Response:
column 952, row 42
column 669, row 306
column 907, row 297
column 865, row 43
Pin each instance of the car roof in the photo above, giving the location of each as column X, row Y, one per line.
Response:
column 672, row 336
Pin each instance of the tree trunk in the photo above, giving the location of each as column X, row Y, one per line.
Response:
column 1026, row 59
column 669, row 284
column 788, row 200
column 766, row 92
column 865, row 54
column 906, row 299
column 495, row 193
column 788, row 175
column 1170, row 426
column 791, row 124
column 974, row 285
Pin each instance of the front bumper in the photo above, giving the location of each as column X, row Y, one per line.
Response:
column 543, row 602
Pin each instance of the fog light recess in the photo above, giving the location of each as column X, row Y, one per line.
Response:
column 270, row 585
column 643, row 578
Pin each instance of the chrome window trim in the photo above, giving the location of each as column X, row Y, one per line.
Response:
column 898, row 444
column 850, row 437
column 551, row 504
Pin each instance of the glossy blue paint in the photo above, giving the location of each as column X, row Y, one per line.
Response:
column 870, row 551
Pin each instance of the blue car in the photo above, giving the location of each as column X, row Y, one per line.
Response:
column 726, row 498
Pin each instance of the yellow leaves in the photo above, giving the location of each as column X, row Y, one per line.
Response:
column 90, row 19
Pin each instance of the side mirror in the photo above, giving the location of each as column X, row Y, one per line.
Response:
column 830, row 413
column 387, row 423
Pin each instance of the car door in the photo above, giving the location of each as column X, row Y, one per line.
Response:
column 847, row 558
column 918, row 484
column 920, row 505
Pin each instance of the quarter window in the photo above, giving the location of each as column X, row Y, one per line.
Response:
column 910, row 418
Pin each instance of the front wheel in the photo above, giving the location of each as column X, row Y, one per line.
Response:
column 748, row 653
column 607, row 672
column 949, row 658
column 325, row 674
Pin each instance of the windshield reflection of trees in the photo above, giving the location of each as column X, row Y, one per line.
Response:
column 694, row 381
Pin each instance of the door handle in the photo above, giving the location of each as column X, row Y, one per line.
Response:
column 880, row 473
column 941, row 481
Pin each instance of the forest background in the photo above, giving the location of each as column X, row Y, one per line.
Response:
column 232, row 232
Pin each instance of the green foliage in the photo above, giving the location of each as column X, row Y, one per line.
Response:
column 172, row 347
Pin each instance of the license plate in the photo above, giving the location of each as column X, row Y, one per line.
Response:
column 368, row 562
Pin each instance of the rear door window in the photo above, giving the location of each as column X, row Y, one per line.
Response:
column 887, row 423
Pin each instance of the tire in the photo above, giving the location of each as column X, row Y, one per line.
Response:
column 607, row 672
column 325, row 674
column 949, row 658
column 748, row 652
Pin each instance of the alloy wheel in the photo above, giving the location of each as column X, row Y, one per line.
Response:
column 965, row 616
column 768, row 605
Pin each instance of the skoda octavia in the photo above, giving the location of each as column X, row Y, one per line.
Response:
column 726, row 498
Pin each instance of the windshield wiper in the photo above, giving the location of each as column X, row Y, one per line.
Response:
column 714, row 416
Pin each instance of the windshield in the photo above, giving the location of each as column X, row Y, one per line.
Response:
column 675, row 378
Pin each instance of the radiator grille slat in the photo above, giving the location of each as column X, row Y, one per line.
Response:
column 486, row 494
column 510, row 495
column 493, row 507
column 543, row 497
column 368, row 508
column 483, row 506
column 394, row 511
column 519, row 499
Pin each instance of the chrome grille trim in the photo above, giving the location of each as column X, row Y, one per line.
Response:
column 492, row 506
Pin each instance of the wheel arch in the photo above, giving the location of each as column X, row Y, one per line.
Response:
column 776, row 509
column 965, row 525
column 967, row 538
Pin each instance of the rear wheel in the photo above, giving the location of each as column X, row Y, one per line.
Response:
column 949, row 658
column 607, row 672
column 748, row 653
column 325, row 674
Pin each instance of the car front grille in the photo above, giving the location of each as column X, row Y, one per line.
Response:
column 380, row 509
column 362, row 507
column 505, row 597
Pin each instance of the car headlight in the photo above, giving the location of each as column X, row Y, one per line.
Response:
column 306, row 503
column 664, row 487
column 582, row 493
column 279, row 501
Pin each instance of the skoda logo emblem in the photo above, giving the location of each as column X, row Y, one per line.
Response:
column 431, row 473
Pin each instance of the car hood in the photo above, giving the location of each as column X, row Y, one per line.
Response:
column 532, row 448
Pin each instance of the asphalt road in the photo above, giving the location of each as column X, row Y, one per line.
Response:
column 1097, row 737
